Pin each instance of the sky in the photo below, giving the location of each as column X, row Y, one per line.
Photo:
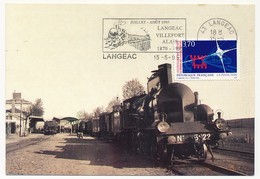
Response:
column 54, row 52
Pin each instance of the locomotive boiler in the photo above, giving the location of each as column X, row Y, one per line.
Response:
column 169, row 122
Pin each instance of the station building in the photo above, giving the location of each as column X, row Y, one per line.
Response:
column 16, row 122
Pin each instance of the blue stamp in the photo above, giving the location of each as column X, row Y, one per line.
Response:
column 207, row 59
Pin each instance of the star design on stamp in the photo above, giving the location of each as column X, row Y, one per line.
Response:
column 220, row 52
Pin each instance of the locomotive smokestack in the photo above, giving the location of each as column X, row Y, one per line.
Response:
column 165, row 74
column 219, row 115
column 196, row 94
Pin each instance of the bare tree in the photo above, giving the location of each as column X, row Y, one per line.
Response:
column 98, row 111
column 132, row 88
column 115, row 101
column 84, row 115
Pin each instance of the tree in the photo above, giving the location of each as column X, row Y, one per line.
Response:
column 132, row 88
column 84, row 115
column 36, row 109
column 115, row 101
column 98, row 111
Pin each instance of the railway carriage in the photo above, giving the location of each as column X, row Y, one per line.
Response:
column 88, row 126
column 115, row 122
column 104, row 124
column 95, row 126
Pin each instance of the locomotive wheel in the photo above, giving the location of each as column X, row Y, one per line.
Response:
column 147, row 144
column 202, row 152
column 153, row 150
column 152, row 144
column 170, row 155
column 140, row 143
column 162, row 152
column 165, row 154
column 144, row 146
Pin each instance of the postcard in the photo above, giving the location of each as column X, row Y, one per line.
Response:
column 129, row 89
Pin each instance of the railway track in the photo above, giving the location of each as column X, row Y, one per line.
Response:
column 194, row 167
column 24, row 143
column 222, row 170
column 237, row 153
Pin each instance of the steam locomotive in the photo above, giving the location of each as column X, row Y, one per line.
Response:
column 50, row 127
column 166, row 123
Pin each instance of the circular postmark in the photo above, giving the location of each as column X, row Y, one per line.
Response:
column 217, row 29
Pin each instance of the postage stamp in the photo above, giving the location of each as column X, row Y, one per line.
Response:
column 207, row 59
column 124, row 37
column 213, row 56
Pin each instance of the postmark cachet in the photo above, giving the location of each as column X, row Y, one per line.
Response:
column 213, row 56
column 126, row 37
column 217, row 29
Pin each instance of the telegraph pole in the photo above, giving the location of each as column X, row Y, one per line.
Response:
column 21, row 105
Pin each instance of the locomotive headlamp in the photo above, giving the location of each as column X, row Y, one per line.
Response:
column 163, row 126
column 220, row 123
column 171, row 139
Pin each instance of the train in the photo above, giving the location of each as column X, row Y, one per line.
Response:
column 50, row 127
column 167, row 122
